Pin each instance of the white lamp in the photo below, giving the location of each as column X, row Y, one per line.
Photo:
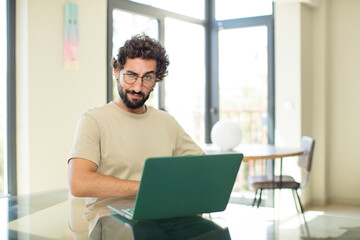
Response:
column 226, row 134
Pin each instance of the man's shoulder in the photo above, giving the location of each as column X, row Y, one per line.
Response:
column 164, row 118
column 159, row 113
column 98, row 111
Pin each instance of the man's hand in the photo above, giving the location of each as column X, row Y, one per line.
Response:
column 84, row 181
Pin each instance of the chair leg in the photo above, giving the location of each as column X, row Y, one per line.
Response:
column 259, row 201
column 301, row 207
column 302, row 211
column 295, row 200
column 254, row 201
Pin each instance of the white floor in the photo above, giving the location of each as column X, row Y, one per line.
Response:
column 330, row 223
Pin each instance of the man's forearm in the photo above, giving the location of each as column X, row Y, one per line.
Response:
column 88, row 183
column 98, row 185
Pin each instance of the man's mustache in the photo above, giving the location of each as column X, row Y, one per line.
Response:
column 137, row 93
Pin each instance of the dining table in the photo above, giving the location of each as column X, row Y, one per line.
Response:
column 252, row 152
column 256, row 151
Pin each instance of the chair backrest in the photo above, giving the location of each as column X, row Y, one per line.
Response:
column 305, row 159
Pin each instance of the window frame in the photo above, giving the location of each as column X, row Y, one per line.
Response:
column 11, row 99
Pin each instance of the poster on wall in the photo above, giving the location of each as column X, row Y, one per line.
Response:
column 71, row 36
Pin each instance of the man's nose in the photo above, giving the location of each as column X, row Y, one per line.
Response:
column 138, row 85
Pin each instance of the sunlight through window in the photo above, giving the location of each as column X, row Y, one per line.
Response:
column 228, row 9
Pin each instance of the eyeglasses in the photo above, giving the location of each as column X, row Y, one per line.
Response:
column 148, row 80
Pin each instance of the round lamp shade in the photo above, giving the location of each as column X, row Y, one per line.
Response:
column 226, row 134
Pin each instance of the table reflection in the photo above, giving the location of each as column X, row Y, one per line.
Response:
column 191, row 227
column 99, row 222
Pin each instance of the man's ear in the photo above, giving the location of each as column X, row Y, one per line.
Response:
column 116, row 73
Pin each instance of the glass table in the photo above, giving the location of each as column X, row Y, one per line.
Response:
column 58, row 215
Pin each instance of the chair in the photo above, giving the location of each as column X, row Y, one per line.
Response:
column 285, row 181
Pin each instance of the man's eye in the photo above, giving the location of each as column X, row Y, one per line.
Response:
column 148, row 77
column 132, row 75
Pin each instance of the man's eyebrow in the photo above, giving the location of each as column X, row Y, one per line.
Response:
column 129, row 71
column 149, row 72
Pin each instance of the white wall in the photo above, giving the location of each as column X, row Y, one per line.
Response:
column 50, row 98
column 287, row 74
column 327, row 37
column 317, row 193
column 343, row 100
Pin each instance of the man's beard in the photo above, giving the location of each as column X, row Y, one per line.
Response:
column 137, row 103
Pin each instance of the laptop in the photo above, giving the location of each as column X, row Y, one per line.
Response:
column 183, row 186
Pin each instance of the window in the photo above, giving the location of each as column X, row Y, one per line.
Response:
column 186, row 80
column 3, row 106
column 230, row 9
column 243, row 88
column 191, row 8
column 243, row 80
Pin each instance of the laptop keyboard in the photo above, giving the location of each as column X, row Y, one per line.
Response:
column 129, row 211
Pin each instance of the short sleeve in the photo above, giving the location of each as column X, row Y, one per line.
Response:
column 185, row 145
column 87, row 140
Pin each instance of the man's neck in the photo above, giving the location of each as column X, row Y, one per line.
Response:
column 120, row 104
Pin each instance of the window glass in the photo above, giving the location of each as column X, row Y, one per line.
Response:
column 126, row 25
column 243, row 85
column 3, row 73
column 191, row 8
column 185, row 84
column 228, row 9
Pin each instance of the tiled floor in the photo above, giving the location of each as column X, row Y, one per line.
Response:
column 330, row 223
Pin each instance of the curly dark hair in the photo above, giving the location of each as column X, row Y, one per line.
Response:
column 142, row 46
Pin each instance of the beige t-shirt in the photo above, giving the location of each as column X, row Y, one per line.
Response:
column 118, row 142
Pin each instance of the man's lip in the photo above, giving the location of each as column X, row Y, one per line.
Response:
column 137, row 96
